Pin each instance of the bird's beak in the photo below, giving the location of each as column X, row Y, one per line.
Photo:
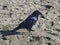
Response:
column 42, row 16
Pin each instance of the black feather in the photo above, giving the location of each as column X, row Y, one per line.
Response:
column 29, row 22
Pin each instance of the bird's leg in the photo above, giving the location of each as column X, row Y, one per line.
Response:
column 30, row 31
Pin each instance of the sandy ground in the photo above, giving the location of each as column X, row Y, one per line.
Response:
column 46, row 30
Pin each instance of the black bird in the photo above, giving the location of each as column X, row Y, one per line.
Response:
column 29, row 22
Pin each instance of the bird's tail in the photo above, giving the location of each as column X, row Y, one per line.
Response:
column 17, row 28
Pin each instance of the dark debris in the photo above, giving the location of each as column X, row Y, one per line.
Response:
column 10, row 14
column 47, row 6
column 58, row 30
column 4, row 7
column 53, row 33
column 52, row 23
column 37, row 38
column 48, row 43
column 48, row 38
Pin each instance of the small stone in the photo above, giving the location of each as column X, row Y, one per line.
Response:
column 4, row 7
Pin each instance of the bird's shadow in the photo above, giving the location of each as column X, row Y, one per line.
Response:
column 6, row 33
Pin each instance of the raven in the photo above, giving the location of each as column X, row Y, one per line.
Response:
column 29, row 22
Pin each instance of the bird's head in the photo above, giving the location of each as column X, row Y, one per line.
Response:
column 36, row 12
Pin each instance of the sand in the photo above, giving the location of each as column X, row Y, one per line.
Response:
column 46, row 30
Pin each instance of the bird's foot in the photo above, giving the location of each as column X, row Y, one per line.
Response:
column 31, row 30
